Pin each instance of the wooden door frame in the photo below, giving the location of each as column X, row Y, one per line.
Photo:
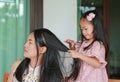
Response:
column 106, row 22
column 36, row 14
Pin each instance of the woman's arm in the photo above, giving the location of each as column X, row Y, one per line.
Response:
column 13, row 68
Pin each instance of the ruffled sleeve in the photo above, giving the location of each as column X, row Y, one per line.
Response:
column 78, row 45
column 98, row 51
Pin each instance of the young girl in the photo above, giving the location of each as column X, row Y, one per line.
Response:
column 42, row 62
column 91, row 50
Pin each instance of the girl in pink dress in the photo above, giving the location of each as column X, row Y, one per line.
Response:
column 91, row 50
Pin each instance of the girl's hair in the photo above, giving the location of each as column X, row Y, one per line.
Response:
column 99, row 32
column 50, row 68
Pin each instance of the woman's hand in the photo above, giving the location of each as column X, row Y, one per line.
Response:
column 71, row 44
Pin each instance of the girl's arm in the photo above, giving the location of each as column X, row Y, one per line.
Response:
column 93, row 61
column 13, row 68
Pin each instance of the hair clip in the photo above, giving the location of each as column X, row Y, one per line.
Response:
column 90, row 16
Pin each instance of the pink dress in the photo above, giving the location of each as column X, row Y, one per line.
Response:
column 87, row 72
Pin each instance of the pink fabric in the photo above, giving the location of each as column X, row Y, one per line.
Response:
column 87, row 72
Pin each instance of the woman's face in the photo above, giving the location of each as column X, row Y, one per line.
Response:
column 87, row 29
column 30, row 50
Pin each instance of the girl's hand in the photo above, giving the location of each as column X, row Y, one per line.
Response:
column 71, row 44
column 73, row 53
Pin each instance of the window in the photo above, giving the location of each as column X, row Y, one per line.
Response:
column 14, row 29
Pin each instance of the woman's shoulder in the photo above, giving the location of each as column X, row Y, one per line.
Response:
column 15, row 64
column 13, row 68
column 18, row 61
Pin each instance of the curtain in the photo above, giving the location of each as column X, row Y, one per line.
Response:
column 14, row 29
column 114, row 39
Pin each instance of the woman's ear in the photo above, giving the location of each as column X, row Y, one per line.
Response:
column 42, row 50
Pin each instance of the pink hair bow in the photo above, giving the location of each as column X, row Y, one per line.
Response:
column 90, row 16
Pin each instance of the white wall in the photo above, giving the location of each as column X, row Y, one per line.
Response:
column 60, row 16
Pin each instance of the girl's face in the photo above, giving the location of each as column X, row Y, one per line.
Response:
column 30, row 50
column 87, row 29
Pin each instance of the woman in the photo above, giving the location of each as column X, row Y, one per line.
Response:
column 42, row 62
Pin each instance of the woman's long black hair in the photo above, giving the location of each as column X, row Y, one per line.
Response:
column 75, row 69
column 50, row 68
